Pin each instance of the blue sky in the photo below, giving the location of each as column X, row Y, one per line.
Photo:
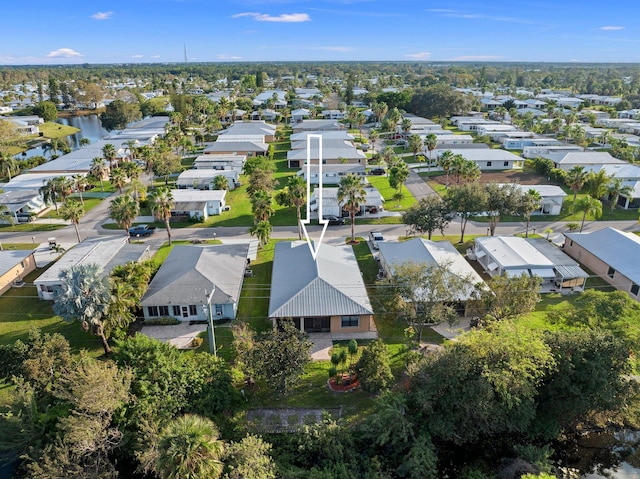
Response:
column 96, row 31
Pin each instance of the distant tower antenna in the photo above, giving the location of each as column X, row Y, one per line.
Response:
column 185, row 53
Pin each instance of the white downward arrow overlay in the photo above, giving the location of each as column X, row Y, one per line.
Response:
column 321, row 220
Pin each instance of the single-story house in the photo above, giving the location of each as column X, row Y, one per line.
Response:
column 14, row 266
column 545, row 150
column 236, row 147
column 552, row 198
column 220, row 162
column 612, row 254
column 322, row 295
column 333, row 114
column 316, row 125
column 423, row 251
column 22, row 202
column 299, row 114
column 487, row 158
column 195, row 278
column 588, row 159
column 107, row 253
column 472, row 124
column 203, row 179
column 197, row 204
column 372, row 206
column 327, row 135
column 331, row 174
column 448, row 138
column 513, row 256
column 333, row 152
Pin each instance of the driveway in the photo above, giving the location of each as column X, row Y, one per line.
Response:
column 180, row 335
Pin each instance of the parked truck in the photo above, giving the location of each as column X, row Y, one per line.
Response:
column 142, row 230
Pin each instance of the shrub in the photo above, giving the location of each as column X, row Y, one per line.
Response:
column 162, row 321
column 196, row 342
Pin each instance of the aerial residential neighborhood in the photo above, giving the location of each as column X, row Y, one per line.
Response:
column 315, row 259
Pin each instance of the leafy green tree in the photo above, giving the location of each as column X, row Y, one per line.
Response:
column 47, row 110
column 508, row 297
column 72, row 211
column 262, row 230
column 123, row 210
column 587, row 206
column 437, row 100
column 165, row 163
column 189, row 447
column 250, row 459
column 398, row 174
column 596, row 184
column 281, row 355
column 467, row 200
column 428, row 215
column 220, row 182
column 351, row 195
column 162, row 204
column 295, row 195
column 501, row 200
column 373, row 368
column 118, row 114
column 421, row 461
column 84, row 296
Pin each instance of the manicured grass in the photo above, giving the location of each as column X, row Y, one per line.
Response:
column 56, row 130
column 381, row 183
column 29, row 227
column 21, row 310
column 18, row 246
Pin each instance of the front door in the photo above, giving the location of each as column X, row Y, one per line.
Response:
column 185, row 312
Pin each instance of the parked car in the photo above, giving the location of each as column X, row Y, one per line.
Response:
column 377, row 171
column 25, row 217
column 334, row 220
column 365, row 146
column 376, row 238
column 142, row 230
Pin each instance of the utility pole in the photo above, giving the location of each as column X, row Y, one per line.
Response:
column 211, row 327
column 186, row 59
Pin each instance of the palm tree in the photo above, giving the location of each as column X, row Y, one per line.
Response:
column 415, row 145
column 85, row 141
column 430, row 143
column 294, row 194
column 8, row 165
column 379, row 110
column 445, row 161
column 109, row 153
column 72, row 211
column 131, row 146
column 161, row 205
column 5, row 215
column 596, row 184
column 80, row 182
column 529, row 203
column 262, row 230
column 118, row 178
column 99, row 169
column 405, row 125
column 261, row 204
column 587, row 206
column 123, row 210
column 576, row 178
column 617, row 188
column 189, row 447
column 351, row 196
column 49, row 192
column 132, row 169
column 138, row 189
column 220, row 182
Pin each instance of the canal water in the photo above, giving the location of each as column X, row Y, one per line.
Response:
column 90, row 127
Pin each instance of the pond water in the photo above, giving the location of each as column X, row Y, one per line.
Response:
column 90, row 127
column 603, row 455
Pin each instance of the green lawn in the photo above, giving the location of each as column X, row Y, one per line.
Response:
column 56, row 130
column 381, row 183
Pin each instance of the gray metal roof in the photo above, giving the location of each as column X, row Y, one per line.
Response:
column 618, row 249
column 190, row 271
column 10, row 258
column 564, row 264
column 512, row 251
column 236, row 146
column 482, row 154
column 330, row 286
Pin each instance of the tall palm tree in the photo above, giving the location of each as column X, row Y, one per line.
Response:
column 617, row 188
column 118, row 178
column 72, row 211
column 109, row 153
column 445, row 161
column 529, row 203
column 351, row 196
column 262, row 230
column 379, row 110
column 80, row 182
column 576, row 178
column 430, row 143
column 123, row 210
column 131, row 147
column 8, row 165
column 138, row 189
column 189, row 448
column 261, row 204
column 99, row 169
column 415, row 145
column 294, row 194
column 5, row 214
column 587, row 206
column 405, row 125
column 161, row 205
column 49, row 192
column 597, row 183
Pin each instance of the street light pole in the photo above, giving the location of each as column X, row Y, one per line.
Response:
column 211, row 328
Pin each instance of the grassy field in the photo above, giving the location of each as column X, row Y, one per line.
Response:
column 56, row 130
column 381, row 183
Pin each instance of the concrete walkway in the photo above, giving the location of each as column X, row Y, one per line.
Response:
column 417, row 186
column 180, row 335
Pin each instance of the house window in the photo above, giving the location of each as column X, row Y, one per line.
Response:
column 635, row 289
column 506, row 163
column 488, row 163
column 350, row 321
column 193, row 311
column 218, row 309
column 153, row 311
column 176, row 310
column 164, row 310
column 611, row 272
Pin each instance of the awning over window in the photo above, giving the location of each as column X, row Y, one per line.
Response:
column 513, row 273
column 544, row 272
column 480, row 253
column 492, row 266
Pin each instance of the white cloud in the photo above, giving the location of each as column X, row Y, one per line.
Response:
column 64, row 53
column 231, row 57
column 137, row 56
column 282, row 18
column 155, row 56
column 611, row 28
column 102, row 15
column 419, row 55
